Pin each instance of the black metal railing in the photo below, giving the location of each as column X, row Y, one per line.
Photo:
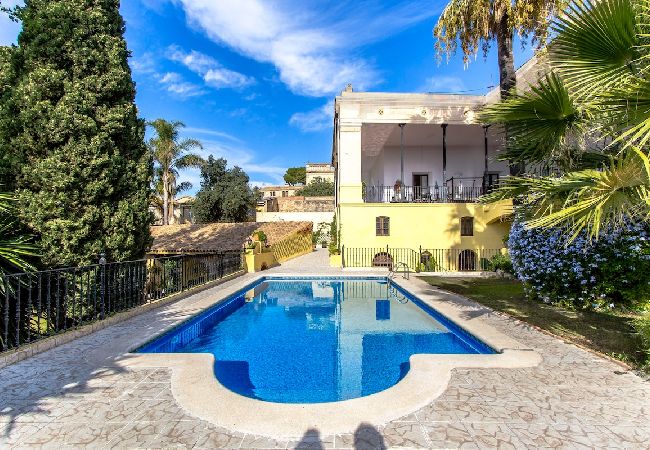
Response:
column 454, row 190
column 379, row 257
column 40, row 304
column 406, row 194
column 457, row 259
column 421, row 260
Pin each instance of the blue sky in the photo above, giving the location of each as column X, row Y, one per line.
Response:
column 254, row 80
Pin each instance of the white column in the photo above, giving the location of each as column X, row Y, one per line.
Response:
column 350, row 163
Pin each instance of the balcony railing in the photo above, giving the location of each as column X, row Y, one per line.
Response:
column 455, row 190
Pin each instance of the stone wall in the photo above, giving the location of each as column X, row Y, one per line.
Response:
column 305, row 204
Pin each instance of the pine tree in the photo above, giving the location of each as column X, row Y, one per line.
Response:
column 84, row 185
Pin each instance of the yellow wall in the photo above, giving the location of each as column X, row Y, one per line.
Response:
column 430, row 225
column 254, row 262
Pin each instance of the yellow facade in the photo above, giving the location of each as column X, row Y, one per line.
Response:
column 430, row 225
column 384, row 142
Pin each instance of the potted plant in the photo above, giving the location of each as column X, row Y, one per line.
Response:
column 259, row 236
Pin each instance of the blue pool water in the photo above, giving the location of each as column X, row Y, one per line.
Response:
column 314, row 340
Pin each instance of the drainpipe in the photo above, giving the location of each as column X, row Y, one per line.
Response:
column 401, row 157
column 444, row 154
column 485, row 138
column 485, row 173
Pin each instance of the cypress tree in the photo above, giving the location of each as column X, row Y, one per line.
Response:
column 84, row 184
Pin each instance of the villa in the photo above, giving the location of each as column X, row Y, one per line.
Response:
column 410, row 169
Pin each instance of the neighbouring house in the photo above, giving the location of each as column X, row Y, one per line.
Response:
column 180, row 210
column 279, row 191
column 324, row 171
column 410, row 168
column 313, row 171
column 317, row 210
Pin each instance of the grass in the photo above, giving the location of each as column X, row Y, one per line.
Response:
column 608, row 333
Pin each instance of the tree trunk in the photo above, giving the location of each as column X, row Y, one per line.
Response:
column 507, row 74
column 165, row 199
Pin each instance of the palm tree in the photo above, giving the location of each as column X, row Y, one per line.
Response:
column 476, row 23
column 169, row 154
column 589, row 119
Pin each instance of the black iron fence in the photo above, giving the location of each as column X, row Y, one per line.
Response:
column 422, row 260
column 454, row 190
column 379, row 257
column 457, row 259
column 453, row 193
column 40, row 304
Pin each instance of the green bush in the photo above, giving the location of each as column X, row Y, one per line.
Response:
column 500, row 262
column 429, row 266
column 642, row 327
column 333, row 246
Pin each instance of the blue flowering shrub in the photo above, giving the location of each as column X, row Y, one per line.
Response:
column 612, row 271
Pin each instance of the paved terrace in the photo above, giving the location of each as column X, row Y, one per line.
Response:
column 82, row 395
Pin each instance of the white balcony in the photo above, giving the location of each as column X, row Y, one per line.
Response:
column 428, row 163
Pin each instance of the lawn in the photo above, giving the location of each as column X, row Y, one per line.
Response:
column 608, row 333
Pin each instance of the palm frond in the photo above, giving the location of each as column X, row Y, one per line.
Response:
column 629, row 108
column 184, row 186
column 542, row 123
column 588, row 199
column 190, row 160
column 15, row 246
column 595, row 45
column 189, row 144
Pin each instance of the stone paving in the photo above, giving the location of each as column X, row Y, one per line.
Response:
column 81, row 395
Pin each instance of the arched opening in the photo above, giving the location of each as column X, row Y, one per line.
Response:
column 382, row 259
column 467, row 260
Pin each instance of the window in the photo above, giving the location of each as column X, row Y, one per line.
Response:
column 467, row 226
column 382, row 224
column 272, row 193
column 285, row 193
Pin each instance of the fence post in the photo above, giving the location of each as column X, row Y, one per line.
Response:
column 5, row 335
column 102, row 283
column 182, row 274
column 343, row 256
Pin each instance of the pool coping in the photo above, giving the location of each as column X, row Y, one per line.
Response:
column 197, row 390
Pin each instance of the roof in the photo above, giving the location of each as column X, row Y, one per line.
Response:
column 185, row 200
column 279, row 188
column 214, row 237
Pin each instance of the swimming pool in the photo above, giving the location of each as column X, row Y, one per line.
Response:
column 316, row 339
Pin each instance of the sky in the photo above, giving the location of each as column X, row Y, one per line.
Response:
column 255, row 80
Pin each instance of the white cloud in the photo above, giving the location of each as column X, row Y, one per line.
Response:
column 312, row 48
column 261, row 184
column 209, row 132
column 443, row 84
column 185, row 89
column 174, row 83
column 146, row 63
column 224, row 78
column 236, row 154
column 315, row 120
column 210, row 69
column 170, row 77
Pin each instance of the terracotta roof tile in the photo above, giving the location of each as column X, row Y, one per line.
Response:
column 213, row 237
